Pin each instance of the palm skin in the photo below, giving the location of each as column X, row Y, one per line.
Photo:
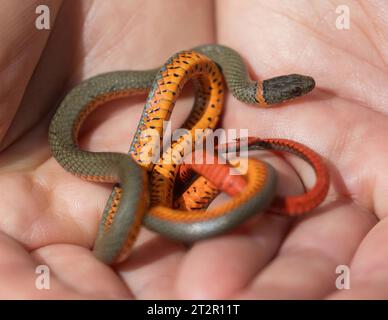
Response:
column 50, row 217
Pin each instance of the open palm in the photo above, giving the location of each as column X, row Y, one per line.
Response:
column 49, row 217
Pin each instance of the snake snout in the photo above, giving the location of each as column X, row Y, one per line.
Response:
column 287, row 87
column 306, row 84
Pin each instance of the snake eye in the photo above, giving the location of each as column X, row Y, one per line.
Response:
column 297, row 91
column 287, row 87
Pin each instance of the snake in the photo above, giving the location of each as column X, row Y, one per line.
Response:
column 133, row 201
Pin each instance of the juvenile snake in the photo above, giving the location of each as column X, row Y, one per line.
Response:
column 129, row 204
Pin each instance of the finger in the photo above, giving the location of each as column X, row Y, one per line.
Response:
column 22, row 48
column 153, row 266
column 90, row 278
column 305, row 265
column 219, row 267
column 368, row 269
column 50, row 206
column 19, row 277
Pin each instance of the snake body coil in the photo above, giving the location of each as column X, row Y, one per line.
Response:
column 129, row 201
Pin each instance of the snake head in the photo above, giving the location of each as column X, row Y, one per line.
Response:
column 287, row 87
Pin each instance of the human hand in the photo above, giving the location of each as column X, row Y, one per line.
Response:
column 50, row 217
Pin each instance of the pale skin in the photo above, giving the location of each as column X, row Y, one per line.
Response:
column 48, row 216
